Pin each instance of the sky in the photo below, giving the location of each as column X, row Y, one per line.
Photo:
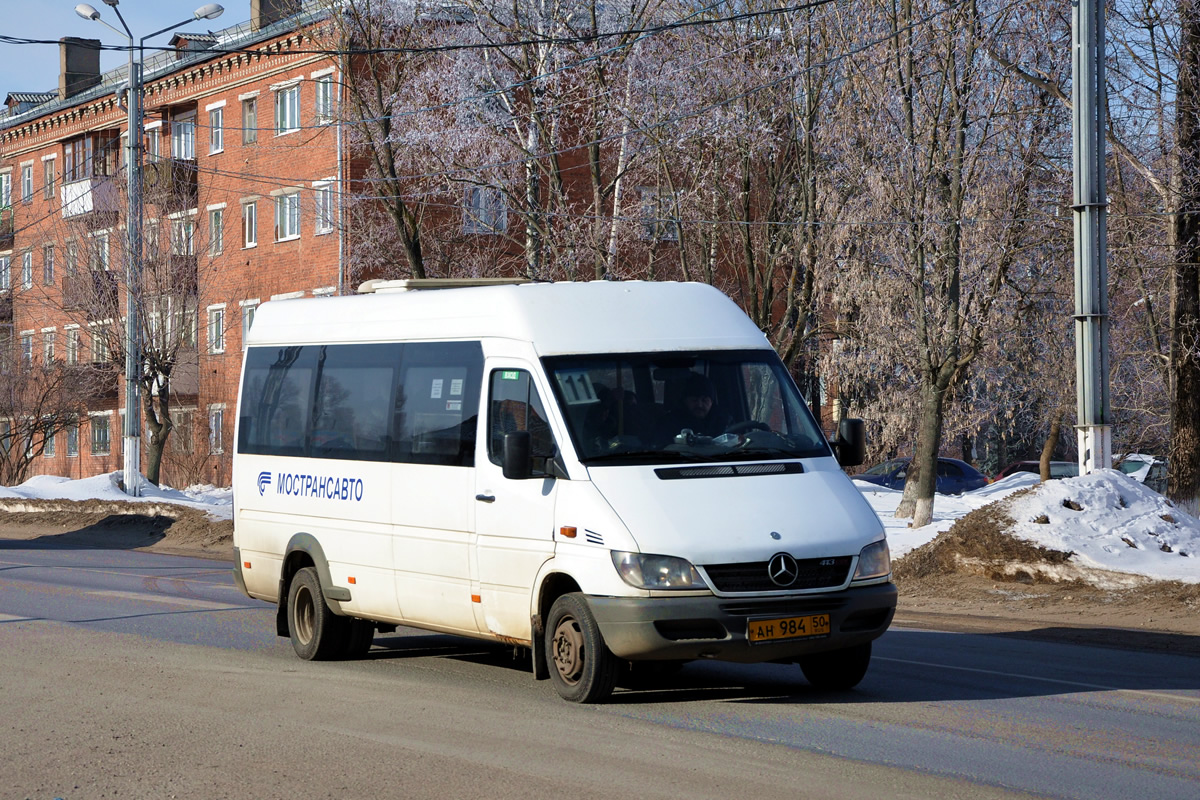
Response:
column 34, row 67
column 1120, row 527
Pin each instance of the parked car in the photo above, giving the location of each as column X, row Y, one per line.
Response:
column 953, row 476
column 1150, row 470
column 1058, row 469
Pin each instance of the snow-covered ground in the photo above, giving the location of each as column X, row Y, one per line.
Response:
column 1120, row 525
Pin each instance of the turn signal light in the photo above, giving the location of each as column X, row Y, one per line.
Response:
column 567, row 531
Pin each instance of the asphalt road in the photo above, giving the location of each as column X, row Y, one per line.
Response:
column 128, row 674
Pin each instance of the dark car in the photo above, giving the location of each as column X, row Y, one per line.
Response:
column 1058, row 469
column 953, row 476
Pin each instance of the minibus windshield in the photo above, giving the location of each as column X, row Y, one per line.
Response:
column 719, row 405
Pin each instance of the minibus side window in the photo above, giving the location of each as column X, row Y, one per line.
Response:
column 514, row 405
column 435, row 413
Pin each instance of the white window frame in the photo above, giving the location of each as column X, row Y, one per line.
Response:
column 216, row 229
column 72, row 345
column 183, row 137
column 5, row 273
column 323, row 101
column 249, row 308
column 27, row 349
column 183, row 234
column 287, row 108
column 72, row 445
column 323, row 207
column 27, row 182
column 49, row 335
column 249, row 224
column 216, row 329
column 287, row 215
column 6, row 188
column 107, row 417
column 27, row 270
column 216, row 428
column 485, row 210
column 216, row 128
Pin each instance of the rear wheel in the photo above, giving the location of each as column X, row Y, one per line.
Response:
column 317, row 633
column 837, row 670
column 582, row 668
column 360, row 634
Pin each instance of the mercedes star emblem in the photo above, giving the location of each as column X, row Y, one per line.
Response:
column 782, row 569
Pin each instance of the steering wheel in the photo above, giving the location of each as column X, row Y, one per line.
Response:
column 748, row 425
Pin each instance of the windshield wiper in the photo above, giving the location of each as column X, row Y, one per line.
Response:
column 637, row 456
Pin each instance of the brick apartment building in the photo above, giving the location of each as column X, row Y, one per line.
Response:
column 241, row 176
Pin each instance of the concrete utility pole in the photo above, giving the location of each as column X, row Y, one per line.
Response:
column 132, row 436
column 1094, row 415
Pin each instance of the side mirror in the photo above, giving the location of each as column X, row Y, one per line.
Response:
column 851, row 443
column 517, row 462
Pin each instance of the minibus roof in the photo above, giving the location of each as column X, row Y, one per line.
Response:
column 557, row 318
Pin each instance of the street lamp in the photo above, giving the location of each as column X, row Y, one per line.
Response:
column 133, row 228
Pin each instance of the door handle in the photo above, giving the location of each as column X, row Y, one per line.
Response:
column 486, row 498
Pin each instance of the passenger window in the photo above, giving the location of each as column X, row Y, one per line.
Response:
column 514, row 405
column 436, row 409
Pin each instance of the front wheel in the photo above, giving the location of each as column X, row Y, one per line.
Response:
column 837, row 670
column 582, row 668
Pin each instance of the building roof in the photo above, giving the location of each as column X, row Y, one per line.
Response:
column 169, row 61
column 30, row 97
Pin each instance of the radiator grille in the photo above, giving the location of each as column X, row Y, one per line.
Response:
column 813, row 573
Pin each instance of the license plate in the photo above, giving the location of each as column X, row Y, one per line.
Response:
column 770, row 630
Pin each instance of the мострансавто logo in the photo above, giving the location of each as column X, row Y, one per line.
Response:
column 322, row 487
column 264, row 480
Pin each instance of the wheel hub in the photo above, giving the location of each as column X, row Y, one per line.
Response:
column 568, row 650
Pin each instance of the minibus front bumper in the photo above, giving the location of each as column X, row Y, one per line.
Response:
column 655, row 628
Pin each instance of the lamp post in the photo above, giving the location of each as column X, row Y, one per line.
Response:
column 133, row 229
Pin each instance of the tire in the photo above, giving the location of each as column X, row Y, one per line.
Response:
column 582, row 668
column 837, row 670
column 317, row 633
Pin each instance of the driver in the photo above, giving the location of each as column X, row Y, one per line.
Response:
column 698, row 410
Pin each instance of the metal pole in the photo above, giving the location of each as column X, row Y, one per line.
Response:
column 133, row 229
column 1094, row 414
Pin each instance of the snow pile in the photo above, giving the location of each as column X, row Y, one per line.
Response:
column 217, row 503
column 1109, row 520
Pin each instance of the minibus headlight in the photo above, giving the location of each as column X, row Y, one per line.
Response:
column 656, row 572
column 875, row 561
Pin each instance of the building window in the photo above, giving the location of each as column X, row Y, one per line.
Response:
column 216, row 130
column 216, row 329
column 27, row 349
column 48, row 265
column 100, row 350
column 100, row 252
column 48, row 447
column 216, row 231
column 183, row 237
column 48, row 338
column 250, row 120
column 91, row 155
column 216, row 429
column 154, row 143
column 486, row 210
column 5, row 189
column 660, row 219
column 249, row 224
column 324, row 99
column 5, row 274
column 183, row 137
column 27, row 183
column 48, row 178
column 101, row 435
column 287, row 216
column 73, row 440
column 323, row 206
column 27, row 270
column 72, row 252
column 248, row 309
column 287, row 110
column 72, row 346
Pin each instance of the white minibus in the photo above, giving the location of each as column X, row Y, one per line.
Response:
column 618, row 476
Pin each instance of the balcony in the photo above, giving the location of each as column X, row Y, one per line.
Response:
column 170, row 183
column 99, row 197
column 95, row 292
column 6, row 308
column 6, row 228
